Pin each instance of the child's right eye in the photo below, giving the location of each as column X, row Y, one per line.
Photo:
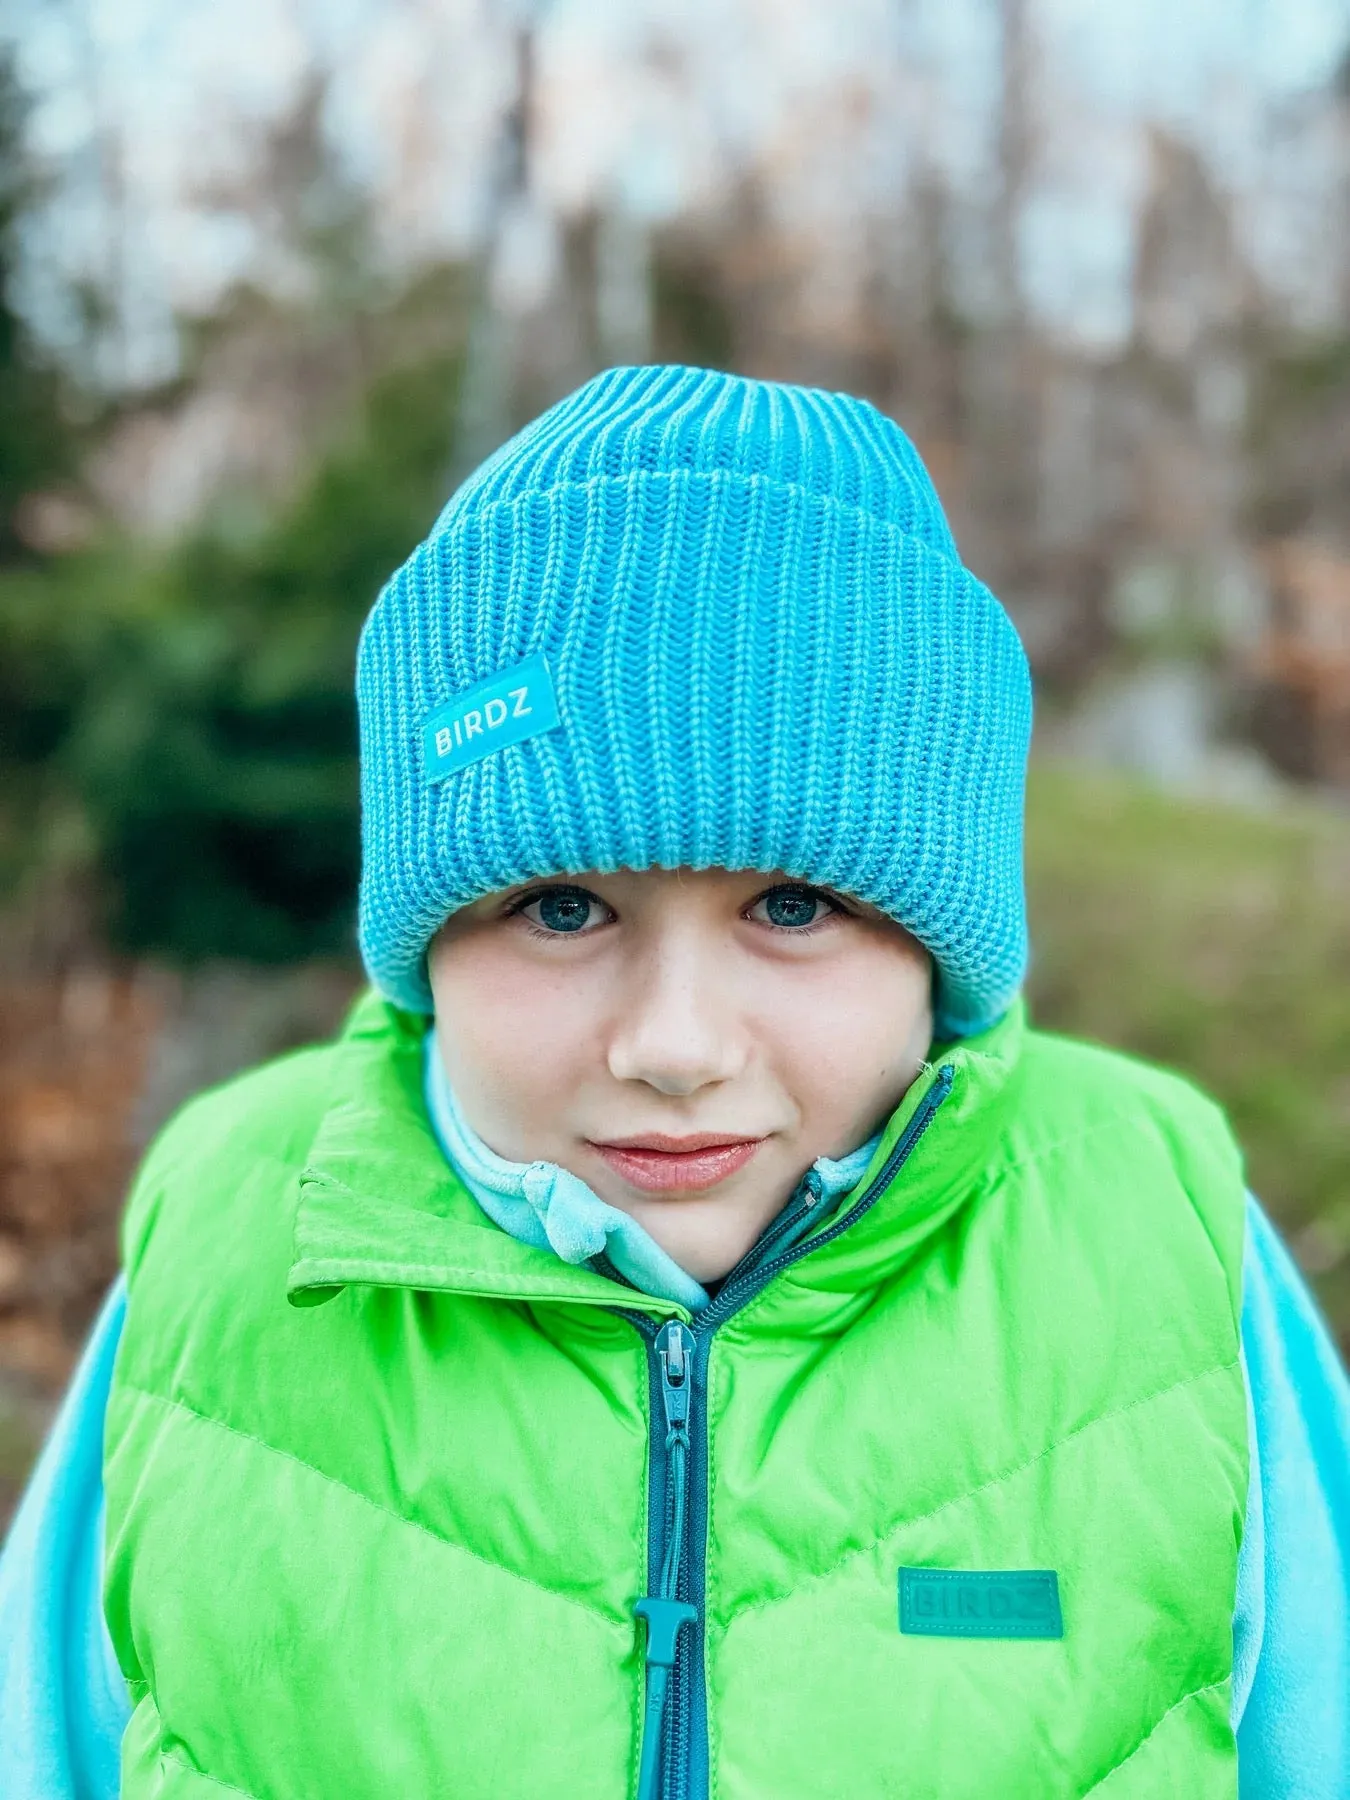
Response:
column 559, row 911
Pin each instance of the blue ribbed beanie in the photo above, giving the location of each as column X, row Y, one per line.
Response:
column 692, row 620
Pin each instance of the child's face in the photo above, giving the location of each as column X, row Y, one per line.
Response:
column 725, row 1005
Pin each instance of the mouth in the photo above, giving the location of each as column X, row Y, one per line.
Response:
column 660, row 1164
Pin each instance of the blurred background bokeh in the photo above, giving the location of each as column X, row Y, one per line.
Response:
column 274, row 275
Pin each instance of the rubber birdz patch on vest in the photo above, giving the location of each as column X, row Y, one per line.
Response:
column 507, row 708
column 991, row 1603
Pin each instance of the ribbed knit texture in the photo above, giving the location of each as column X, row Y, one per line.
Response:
column 766, row 653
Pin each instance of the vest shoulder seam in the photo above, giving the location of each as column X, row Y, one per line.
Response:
column 181, row 1762
column 983, row 1487
column 1195, row 1693
column 1174, row 1103
column 346, row 1487
column 1038, row 1154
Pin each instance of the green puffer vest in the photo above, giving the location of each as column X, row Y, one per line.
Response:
column 384, row 1485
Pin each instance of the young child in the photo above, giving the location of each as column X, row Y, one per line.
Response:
column 733, row 1353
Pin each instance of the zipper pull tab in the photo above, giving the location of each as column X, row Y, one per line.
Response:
column 664, row 1619
column 675, row 1347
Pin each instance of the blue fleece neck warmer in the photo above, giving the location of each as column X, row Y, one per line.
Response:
column 549, row 1207
column 691, row 620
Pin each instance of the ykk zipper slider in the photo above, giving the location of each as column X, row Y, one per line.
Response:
column 675, row 1345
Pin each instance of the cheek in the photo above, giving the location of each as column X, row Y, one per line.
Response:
column 854, row 1047
column 512, row 1040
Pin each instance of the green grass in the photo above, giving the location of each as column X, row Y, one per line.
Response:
column 1216, row 941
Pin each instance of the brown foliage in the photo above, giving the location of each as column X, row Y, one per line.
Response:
column 73, row 1053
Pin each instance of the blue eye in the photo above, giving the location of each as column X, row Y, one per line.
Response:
column 562, row 910
column 794, row 908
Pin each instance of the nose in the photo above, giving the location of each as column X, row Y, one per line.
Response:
column 677, row 1028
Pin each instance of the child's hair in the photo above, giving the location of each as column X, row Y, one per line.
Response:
column 692, row 620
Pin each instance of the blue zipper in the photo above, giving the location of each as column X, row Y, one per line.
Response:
column 665, row 1611
column 674, row 1762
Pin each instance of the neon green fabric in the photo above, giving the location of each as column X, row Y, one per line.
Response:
column 377, row 1473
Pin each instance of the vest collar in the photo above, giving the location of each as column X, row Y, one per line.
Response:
column 379, row 1206
column 957, row 1154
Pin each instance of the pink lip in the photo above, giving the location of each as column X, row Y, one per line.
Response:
column 699, row 1163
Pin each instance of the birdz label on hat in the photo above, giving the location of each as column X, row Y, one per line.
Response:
column 508, row 707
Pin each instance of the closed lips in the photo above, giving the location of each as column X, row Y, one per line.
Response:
column 675, row 1146
column 659, row 1162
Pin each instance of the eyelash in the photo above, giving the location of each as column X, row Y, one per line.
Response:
column 801, row 931
column 537, row 931
column 518, row 906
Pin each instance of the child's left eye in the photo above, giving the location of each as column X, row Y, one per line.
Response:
column 794, row 909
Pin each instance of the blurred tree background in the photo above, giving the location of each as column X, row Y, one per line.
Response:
column 263, row 303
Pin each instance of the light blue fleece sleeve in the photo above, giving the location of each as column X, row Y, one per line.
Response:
column 63, row 1705
column 63, row 1702
column 1293, row 1606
